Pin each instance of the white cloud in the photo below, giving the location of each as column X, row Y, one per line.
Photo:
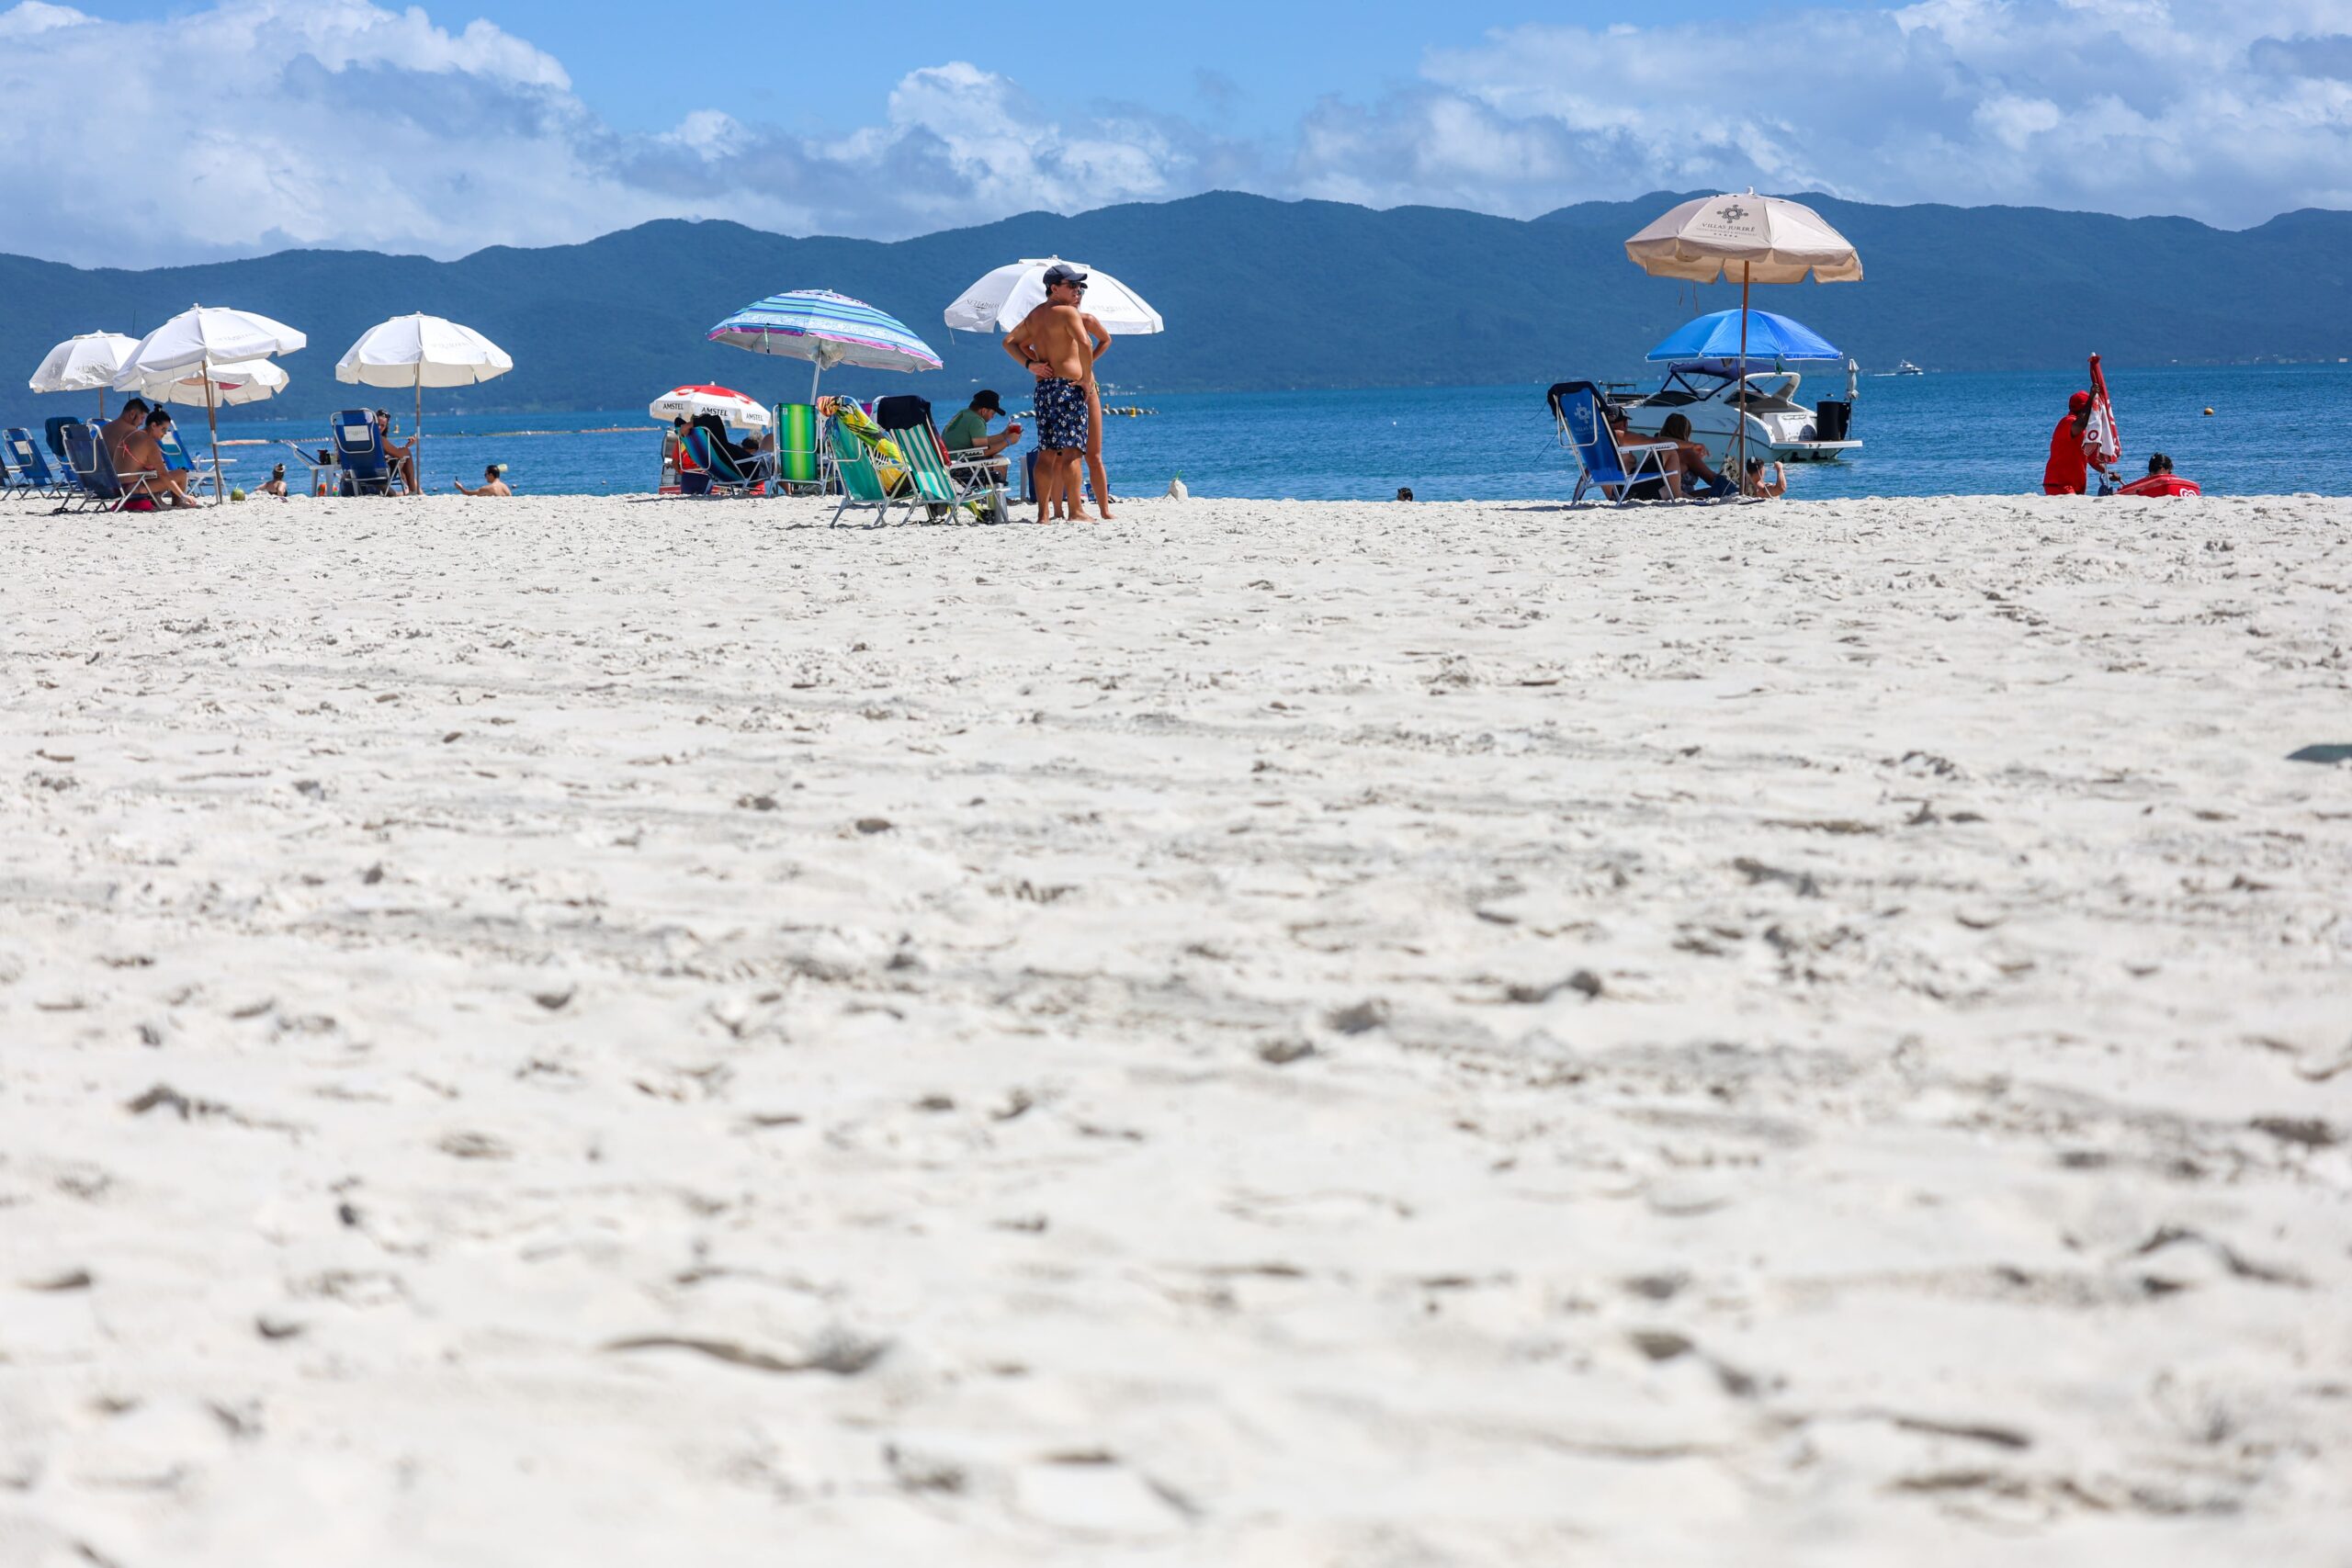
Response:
column 343, row 122
column 2212, row 108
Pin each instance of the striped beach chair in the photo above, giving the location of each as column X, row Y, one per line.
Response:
column 861, row 488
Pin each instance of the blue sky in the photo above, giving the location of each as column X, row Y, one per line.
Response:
column 450, row 124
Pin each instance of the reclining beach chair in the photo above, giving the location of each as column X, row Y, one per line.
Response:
column 722, row 473
column 1580, row 411
column 359, row 451
column 102, row 487
column 862, row 487
column 54, row 429
column 944, row 484
column 33, row 471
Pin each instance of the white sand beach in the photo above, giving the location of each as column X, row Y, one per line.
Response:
column 600, row 1033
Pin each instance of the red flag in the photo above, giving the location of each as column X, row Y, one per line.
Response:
column 2103, row 441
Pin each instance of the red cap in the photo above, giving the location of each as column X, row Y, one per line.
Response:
column 2079, row 402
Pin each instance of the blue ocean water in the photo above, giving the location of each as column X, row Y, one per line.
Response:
column 2273, row 430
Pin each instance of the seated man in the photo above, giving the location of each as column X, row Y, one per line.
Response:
column 493, row 482
column 400, row 455
column 966, row 435
column 1668, row 487
column 122, row 426
column 1761, row 485
column 277, row 482
column 1688, row 459
column 143, row 453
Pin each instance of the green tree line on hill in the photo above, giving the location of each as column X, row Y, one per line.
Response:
column 1260, row 294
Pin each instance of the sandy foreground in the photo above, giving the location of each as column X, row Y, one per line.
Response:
column 589, row 1031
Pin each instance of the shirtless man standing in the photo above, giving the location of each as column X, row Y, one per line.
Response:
column 143, row 453
column 1052, row 345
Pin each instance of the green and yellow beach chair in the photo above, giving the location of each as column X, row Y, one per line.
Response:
column 863, row 485
column 799, row 469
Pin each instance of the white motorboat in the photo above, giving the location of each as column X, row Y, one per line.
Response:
column 1779, row 429
column 1905, row 367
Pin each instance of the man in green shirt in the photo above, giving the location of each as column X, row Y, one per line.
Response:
column 967, row 433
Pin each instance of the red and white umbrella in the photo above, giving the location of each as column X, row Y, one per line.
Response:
column 733, row 407
column 2102, row 441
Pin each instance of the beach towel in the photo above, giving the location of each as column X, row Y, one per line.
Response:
column 889, row 463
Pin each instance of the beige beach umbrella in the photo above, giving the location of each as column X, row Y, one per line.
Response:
column 1761, row 239
column 202, row 338
column 86, row 362
column 246, row 381
column 421, row 351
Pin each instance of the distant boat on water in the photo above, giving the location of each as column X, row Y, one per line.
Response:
column 1905, row 367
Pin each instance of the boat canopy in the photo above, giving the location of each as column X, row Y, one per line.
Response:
column 1769, row 336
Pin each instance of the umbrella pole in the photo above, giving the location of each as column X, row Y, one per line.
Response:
column 212, row 426
column 1739, row 475
column 419, row 475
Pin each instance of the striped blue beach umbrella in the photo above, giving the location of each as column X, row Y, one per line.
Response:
column 826, row 329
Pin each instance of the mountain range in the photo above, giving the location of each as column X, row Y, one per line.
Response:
column 1260, row 295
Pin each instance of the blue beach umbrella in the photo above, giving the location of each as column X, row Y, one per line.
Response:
column 1717, row 336
column 826, row 329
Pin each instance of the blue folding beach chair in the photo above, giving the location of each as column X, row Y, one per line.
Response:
column 1579, row 410
column 32, row 474
column 101, row 485
column 359, row 452
column 54, row 429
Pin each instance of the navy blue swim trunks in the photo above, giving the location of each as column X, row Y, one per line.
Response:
column 1061, row 414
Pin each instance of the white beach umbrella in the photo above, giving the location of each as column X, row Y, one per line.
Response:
column 248, row 381
column 88, row 362
column 203, row 337
column 1764, row 239
column 689, row 402
column 421, row 351
column 1000, row 301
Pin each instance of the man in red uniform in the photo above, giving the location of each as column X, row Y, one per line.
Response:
column 2068, row 473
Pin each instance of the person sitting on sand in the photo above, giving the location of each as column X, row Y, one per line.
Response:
column 400, row 455
column 1052, row 345
column 122, row 427
column 277, row 482
column 1688, row 459
column 1762, row 487
column 493, row 482
column 143, row 453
